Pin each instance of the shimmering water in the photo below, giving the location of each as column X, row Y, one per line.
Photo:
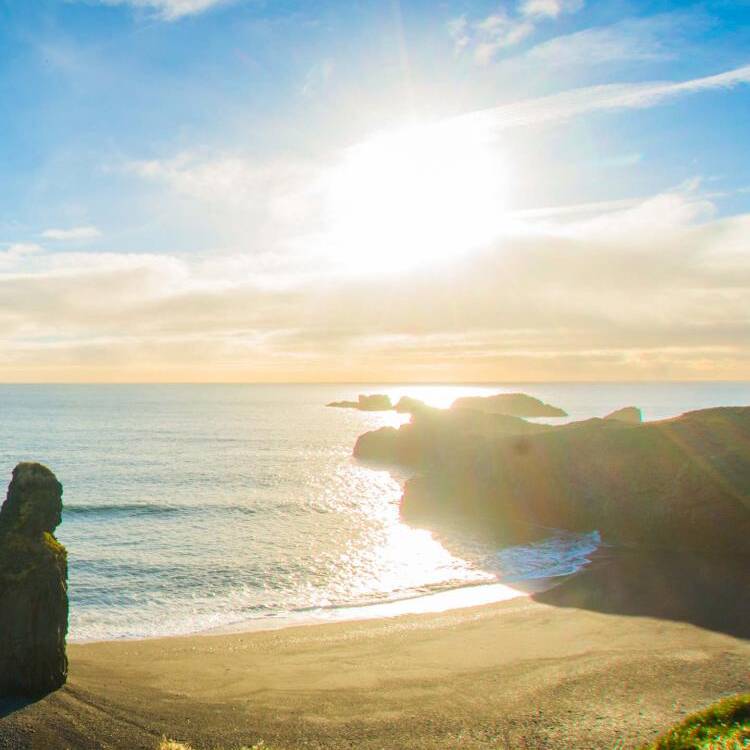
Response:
column 192, row 507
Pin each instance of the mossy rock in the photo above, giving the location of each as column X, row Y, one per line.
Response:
column 33, row 585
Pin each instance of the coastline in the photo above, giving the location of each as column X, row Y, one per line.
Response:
column 584, row 674
column 464, row 596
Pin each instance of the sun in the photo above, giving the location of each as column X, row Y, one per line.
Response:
column 410, row 197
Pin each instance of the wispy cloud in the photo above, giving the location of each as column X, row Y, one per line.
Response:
column 72, row 234
column 577, row 102
column 317, row 77
column 549, row 8
column 639, row 39
column 503, row 29
column 170, row 10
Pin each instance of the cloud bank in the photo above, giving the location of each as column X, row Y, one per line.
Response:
column 654, row 289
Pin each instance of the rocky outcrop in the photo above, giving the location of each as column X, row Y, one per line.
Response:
column 408, row 405
column 629, row 414
column 682, row 483
column 33, row 585
column 510, row 404
column 374, row 402
column 435, row 436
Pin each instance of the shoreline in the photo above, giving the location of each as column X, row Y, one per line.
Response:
column 594, row 661
column 465, row 596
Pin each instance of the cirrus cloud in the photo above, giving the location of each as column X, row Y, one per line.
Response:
column 72, row 234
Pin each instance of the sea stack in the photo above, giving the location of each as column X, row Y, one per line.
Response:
column 33, row 585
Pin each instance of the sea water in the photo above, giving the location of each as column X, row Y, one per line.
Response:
column 193, row 507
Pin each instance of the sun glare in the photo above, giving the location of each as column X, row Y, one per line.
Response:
column 413, row 196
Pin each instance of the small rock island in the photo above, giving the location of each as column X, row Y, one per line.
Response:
column 33, row 585
column 374, row 402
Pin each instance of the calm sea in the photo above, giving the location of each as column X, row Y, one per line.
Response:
column 190, row 507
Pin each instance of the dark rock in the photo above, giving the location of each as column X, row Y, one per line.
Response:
column 375, row 402
column 510, row 404
column 33, row 585
column 380, row 445
column 681, row 483
column 435, row 436
column 344, row 404
column 629, row 414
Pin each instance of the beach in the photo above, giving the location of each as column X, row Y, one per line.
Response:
column 536, row 670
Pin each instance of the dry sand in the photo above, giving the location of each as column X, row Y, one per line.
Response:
column 527, row 673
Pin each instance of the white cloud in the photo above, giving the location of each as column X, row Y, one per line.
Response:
column 16, row 252
column 651, row 288
column 496, row 33
column 170, row 10
column 549, row 8
column 576, row 102
column 73, row 233
column 502, row 30
column 458, row 29
column 640, row 39
column 241, row 199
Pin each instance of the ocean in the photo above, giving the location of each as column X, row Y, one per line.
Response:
column 195, row 507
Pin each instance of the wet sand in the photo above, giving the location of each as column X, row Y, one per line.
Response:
column 552, row 671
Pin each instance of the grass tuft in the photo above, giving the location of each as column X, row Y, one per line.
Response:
column 167, row 744
column 722, row 726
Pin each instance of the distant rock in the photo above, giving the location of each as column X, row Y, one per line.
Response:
column 510, row 404
column 629, row 414
column 374, row 402
column 33, row 585
column 408, row 405
column 344, row 404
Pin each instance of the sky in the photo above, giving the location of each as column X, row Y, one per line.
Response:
column 361, row 190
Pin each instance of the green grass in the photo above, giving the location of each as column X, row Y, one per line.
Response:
column 722, row 726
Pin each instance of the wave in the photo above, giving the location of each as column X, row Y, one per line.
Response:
column 156, row 509
column 115, row 509
column 151, row 509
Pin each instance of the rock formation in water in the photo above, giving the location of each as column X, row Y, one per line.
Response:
column 408, row 405
column 681, row 483
column 375, row 402
column 33, row 585
column 436, row 435
column 510, row 404
column 630, row 414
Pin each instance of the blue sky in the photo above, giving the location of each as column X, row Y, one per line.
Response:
column 197, row 158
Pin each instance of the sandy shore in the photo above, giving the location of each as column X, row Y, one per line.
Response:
column 554, row 671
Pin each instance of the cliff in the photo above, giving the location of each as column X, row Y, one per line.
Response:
column 436, row 435
column 33, row 585
column 682, row 483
